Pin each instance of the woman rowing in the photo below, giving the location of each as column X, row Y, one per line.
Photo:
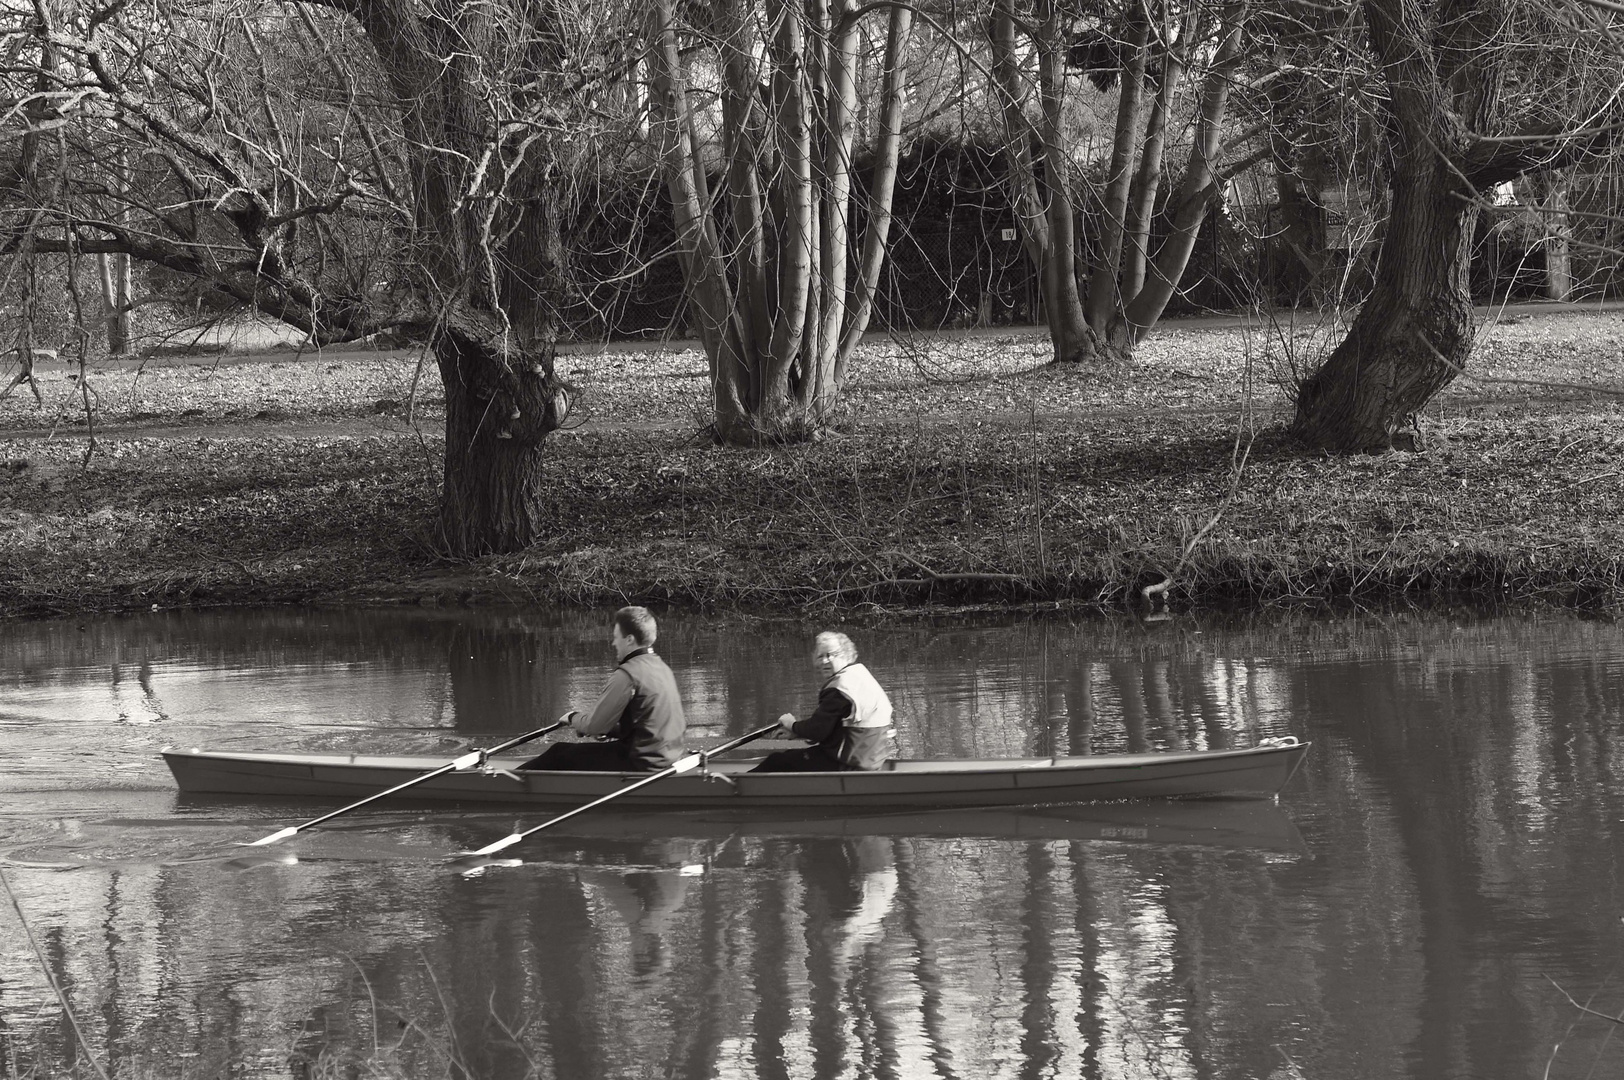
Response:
column 851, row 727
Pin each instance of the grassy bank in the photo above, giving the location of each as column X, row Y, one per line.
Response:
column 968, row 472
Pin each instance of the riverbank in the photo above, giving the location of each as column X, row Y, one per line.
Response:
column 968, row 472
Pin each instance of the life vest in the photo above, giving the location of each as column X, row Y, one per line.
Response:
column 652, row 725
column 866, row 733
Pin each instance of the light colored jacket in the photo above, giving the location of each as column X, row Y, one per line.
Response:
column 866, row 735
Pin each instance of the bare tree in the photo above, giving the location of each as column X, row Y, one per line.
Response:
column 1476, row 93
column 1156, row 53
column 362, row 166
column 780, row 292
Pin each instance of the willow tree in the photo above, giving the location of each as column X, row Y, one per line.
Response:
column 780, row 290
column 347, row 168
column 1477, row 92
column 1158, row 55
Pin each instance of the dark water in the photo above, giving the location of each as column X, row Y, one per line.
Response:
column 1437, row 895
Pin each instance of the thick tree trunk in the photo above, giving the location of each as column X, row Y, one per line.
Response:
column 496, row 280
column 1414, row 333
column 500, row 406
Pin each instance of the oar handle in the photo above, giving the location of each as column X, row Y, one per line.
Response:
column 682, row 765
column 736, row 743
column 466, row 761
column 562, row 721
column 472, row 759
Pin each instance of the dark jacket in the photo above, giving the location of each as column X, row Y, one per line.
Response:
column 641, row 709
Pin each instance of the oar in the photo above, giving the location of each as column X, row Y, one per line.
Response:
column 467, row 761
column 687, row 764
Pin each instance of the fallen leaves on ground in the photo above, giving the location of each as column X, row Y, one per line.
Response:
column 968, row 468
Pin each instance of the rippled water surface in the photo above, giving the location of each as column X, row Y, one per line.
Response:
column 1437, row 894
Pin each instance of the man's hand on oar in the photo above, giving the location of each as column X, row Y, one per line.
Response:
column 466, row 761
column 686, row 764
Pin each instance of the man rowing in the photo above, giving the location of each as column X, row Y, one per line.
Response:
column 638, row 716
column 850, row 729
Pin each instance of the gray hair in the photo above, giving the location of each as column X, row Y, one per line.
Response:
column 840, row 641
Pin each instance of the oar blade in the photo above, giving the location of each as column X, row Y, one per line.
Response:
column 471, row 865
column 460, row 764
column 500, row 845
column 275, row 837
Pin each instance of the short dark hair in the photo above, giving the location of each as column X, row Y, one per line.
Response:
column 637, row 624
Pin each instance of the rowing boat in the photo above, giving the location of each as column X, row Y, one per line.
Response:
column 1254, row 772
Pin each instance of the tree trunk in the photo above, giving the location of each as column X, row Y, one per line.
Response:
column 1300, row 176
column 1300, row 230
column 500, row 407
column 780, row 306
column 1552, row 189
column 1414, row 333
column 882, row 188
column 498, row 280
column 115, row 278
column 1200, row 188
column 1127, row 289
column 1040, row 205
column 1104, row 286
column 115, row 289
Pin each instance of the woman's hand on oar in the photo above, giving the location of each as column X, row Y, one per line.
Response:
column 685, row 764
column 466, row 761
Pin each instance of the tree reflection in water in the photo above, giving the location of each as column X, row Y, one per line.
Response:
column 1459, row 836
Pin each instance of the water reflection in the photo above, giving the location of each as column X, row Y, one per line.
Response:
column 1443, row 866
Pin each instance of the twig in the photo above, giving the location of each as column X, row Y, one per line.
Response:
column 1609, row 1017
column 1588, row 479
column 963, row 575
column 931, row 578
column 1184, row 556
column 62, row 998
column 454, row 1056
column 372, row 997
column 1377, row 565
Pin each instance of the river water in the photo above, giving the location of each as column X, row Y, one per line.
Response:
column 1436, row 895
